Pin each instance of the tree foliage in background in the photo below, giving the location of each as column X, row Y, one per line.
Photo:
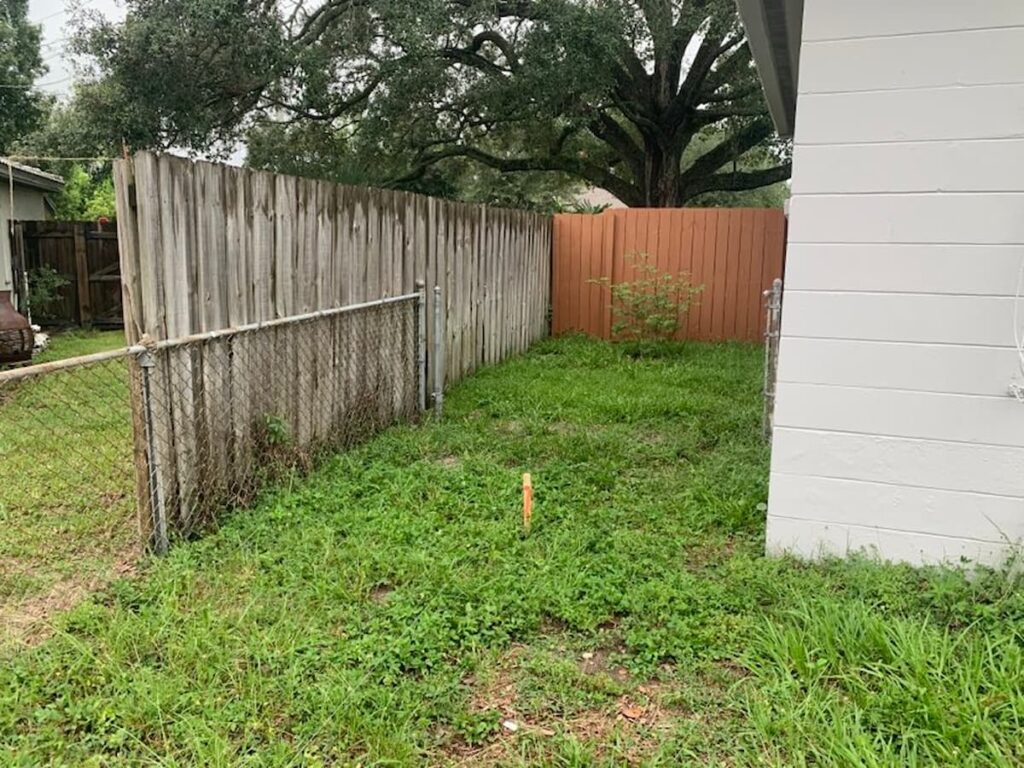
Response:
column 85, row 197
column 758, row 158
column 619, row 94
column 315, row 150
column 22, row 107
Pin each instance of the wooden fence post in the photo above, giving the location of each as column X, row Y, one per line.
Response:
column 82, row 275
column 18, row 278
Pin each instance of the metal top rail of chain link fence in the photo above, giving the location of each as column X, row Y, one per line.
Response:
column 182, row 429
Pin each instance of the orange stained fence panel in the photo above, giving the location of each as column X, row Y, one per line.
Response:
column 734, row 253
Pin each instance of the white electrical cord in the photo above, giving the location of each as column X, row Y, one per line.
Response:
column 1017, row 383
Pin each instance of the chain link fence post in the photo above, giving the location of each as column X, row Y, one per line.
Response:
column 772, row 332
column 421, row 345
column 159, row 543
column 438, row 393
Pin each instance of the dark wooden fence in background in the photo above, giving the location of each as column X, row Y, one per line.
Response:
column 85, row 254
column 735, row 253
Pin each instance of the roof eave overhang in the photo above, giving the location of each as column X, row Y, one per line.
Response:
column 773, row 31
column 24, row 177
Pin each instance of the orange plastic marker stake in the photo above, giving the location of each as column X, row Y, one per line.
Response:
column 527, row 501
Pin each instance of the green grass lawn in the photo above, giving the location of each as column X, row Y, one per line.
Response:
column 66, row 493
column 387, row 610
column 74, row 343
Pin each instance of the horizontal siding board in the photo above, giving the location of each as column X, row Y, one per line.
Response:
column 984, row 270
column 900, row 461
column 921, row 61
column 894, row 428
column 954, row 218
column 809, row 539
column 900, row 413
column 944, row 166
column 979, row 112
column 840, row 19
column 923, row 510
column 949, row 368
column 921, row 318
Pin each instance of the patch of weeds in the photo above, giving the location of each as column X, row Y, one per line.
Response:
column 385, row 610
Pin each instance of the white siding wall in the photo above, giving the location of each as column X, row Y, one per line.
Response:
column 29, row 204
column 894, row 429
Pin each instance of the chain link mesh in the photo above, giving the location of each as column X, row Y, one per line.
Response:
column 67, row 496
column 218, row 419
column 231, row 413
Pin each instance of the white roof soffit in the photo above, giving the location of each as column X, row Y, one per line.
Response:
column 773, row 29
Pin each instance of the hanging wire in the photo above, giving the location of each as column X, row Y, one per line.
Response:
column 49, row 16
column 18, row 86
column 55, row 158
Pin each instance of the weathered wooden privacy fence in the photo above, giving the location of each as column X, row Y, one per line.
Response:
column 735, row 253
column 206, row 247
column 84, row 254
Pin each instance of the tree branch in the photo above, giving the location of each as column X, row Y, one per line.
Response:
column 322, row 18
column 729, row 149
column 688, row 95
column 337, row 110
column 471, row 54
column 737, row 182
column 595, row 174
column 607, row 129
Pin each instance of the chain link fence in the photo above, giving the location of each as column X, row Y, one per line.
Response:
column 181, row 430
column 227, row 412
column 67, row 496
column 772, row 335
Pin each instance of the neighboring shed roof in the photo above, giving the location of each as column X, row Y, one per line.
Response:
column 28, row 176
column 773, row 29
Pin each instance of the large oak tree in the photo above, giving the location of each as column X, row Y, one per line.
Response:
column 22, row 106
column 654, row 100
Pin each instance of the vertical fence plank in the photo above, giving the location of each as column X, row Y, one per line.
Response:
column 729, row 275
column 746, row 258
column 558, row 267
column 208, row 247
column 82, row 275
column 131, row 307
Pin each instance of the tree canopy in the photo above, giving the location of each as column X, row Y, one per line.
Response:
column 22, row 107
column 656, row 101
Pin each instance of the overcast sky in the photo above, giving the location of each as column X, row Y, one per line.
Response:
column 54, row 15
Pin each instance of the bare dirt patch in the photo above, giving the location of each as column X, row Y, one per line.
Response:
column 633, row 724
column 30, row 620
column 511, row 427
column 599, row 662
column 562, row 428
column 381, row 592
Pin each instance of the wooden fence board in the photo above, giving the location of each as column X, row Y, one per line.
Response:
column 735, row 253
column 206, row 247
